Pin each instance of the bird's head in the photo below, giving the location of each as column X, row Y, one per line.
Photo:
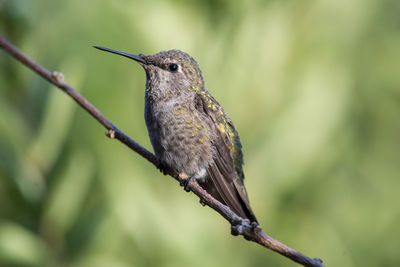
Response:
column 172, row 70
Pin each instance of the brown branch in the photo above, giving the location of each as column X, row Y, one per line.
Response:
column 239, row 225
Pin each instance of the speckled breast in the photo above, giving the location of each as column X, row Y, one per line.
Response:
column 183, row 138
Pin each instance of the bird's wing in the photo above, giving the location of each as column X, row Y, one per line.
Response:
column 226, row 169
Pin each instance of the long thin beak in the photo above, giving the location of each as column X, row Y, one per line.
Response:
column 137, row 58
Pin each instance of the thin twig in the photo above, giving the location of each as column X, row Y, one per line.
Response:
column 239, row 225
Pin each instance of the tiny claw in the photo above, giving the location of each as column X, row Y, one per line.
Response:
column 110, row 133
column 246, row 222
column 187, row 189
column 185, row 182
column 202, row 202
column 162, row 167
column 237, row 229
column 237, row 221
column 255, row 227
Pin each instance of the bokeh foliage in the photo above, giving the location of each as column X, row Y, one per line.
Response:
column 312, row 86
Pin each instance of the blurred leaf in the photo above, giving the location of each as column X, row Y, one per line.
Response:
column 62, row 210
column 19, row 246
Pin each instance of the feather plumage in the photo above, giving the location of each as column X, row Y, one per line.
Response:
column 225, row 170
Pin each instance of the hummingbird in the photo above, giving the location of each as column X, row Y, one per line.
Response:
column 190, row 132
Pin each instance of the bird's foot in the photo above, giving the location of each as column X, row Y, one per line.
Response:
column 255, row 227
column 163, row 167
column 184, row 181
column 239, row 227
column 202, row 202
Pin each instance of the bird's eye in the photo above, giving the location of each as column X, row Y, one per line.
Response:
column 173, row 67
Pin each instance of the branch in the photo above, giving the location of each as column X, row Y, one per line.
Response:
column 239, row 226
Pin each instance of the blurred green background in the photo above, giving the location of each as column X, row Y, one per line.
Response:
column 312, row 86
